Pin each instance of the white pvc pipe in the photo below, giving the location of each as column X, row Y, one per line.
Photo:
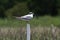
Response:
column 28, row 31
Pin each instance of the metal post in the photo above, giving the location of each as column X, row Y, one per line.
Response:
column 28, row 31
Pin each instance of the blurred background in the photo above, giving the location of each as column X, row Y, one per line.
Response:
column 44, row 26
column 9, row 8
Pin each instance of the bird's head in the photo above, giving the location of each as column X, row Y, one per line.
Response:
column 31, row 13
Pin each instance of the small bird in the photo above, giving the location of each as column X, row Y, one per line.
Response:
column 26, row 17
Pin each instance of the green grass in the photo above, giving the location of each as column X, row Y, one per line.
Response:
column 46, row 21
column 41, row 21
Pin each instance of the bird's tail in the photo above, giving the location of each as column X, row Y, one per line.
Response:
column 19, row 18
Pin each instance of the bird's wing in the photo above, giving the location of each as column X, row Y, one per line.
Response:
column 25, row 16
